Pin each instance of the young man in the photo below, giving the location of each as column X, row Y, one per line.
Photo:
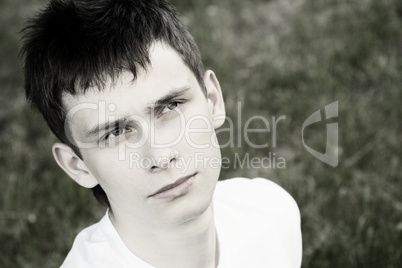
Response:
column 122, row 85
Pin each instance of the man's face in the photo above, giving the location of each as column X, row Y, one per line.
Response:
column 150, row 143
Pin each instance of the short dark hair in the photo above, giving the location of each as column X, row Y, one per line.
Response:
column 72, row 45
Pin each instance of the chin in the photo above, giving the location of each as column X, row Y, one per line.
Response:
column 190, row 212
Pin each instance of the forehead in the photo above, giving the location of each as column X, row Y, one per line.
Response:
column 165, row 71
column 126, row 97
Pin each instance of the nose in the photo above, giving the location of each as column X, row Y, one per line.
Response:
column 163, row 159
column 159, row 147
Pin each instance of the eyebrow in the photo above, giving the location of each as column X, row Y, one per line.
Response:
column 122, row 120
column 174, row 93
column 102, row 128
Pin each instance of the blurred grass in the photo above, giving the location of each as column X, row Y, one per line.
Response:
column 278, row 57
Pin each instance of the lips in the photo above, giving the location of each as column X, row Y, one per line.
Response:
column 175, row 189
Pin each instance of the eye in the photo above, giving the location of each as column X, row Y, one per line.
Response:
column 170, row 106
column 116, row 133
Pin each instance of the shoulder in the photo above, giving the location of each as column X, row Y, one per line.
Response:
column 259, row 218
column 257, row 192
column 245, row 184
column 100, row 246
column 90, row 245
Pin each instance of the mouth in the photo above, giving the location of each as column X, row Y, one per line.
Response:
column 179, row 187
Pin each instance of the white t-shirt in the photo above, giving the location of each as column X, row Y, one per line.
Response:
column 257, row 224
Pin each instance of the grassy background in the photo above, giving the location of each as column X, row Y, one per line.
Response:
column 278, row 57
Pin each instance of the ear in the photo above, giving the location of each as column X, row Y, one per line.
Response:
column 73, row 165
column 215, row 98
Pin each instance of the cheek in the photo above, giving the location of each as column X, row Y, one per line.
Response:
column 105, row 166
column 118, row 181
column 200, row 137
column 168, row 132
column 199, row 130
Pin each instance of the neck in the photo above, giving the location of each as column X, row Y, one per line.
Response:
column 190, row 244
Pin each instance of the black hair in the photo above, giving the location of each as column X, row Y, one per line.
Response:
column 72, row 45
